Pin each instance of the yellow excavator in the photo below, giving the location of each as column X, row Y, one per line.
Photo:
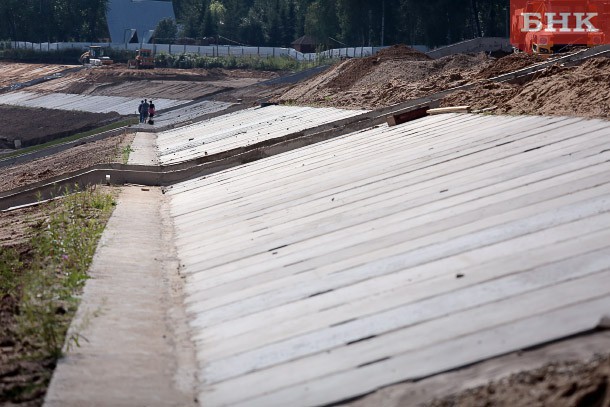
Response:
column 95, row 56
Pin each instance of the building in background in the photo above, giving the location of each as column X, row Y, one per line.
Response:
column 306, row 44
column 134, row 21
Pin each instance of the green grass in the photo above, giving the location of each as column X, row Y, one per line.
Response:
column 43, row 278
column 190, row 61
column 48, row 280
column 125, row 153
column 9, row 263
column 68, row 139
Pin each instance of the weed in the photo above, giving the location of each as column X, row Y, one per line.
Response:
column 10, row 264
column 63, row 249
column 125, row 153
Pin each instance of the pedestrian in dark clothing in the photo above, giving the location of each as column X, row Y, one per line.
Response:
column 145, row 107
column 141, row 111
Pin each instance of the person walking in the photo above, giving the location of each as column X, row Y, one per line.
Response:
column 145, row 107
column 141, row 111
column 151, row 112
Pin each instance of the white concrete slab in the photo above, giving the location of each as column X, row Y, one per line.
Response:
column 184, row 115
column 83, row 103
column 241, row 129
column 392, row 254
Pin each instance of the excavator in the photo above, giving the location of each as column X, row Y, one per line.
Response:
column 95, row 56
column 546, row 43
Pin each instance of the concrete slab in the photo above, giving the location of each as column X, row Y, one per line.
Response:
column 144, row 149
column 393, row 254
column 184, row 114
column 134, row 348
column 579, row 348
column 83, row 103
column 241, row 129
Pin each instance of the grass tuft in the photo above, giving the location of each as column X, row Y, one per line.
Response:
column 47, row 283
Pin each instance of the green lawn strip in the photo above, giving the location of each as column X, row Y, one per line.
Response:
column 68, row 139
column 45, row 282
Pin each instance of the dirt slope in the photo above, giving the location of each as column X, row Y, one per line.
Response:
column 181, row 84
column 565, row 91
column 11, row 73
column 35, row 126
column 392, row 76
column 76, row 158
column 566, row 384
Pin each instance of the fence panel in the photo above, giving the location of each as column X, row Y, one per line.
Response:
column 213, row 50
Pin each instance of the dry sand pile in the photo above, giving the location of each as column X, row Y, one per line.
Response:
column 565, row 91
column 509, row 63
column 392, row 76
column 399, row 73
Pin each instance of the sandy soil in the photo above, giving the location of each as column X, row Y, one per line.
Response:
column 565, row 384
column 117, row 80
column 509, row 63
column 400, row 74
column 392, row 76
column 564, row 91
column 11, row 73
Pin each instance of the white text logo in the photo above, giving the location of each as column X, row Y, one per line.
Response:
column 533, row 22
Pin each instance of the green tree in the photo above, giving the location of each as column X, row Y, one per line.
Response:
column 166, row 31
column 321, row 21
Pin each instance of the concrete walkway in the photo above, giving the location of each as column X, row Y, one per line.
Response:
column 137, row 351
column 144, row 149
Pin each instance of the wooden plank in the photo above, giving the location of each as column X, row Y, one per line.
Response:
column 452, row 109
column 283, row 279
column 242, row 129
column 435, row 193
column 407, row 116
column 444, row 219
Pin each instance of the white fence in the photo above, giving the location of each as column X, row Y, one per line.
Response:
column 212, row 50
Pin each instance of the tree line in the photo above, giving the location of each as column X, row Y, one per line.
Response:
column 333, row 23
column 53, row 20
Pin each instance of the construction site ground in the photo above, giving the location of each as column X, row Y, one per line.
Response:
column 34, row 126
column 395, row 75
